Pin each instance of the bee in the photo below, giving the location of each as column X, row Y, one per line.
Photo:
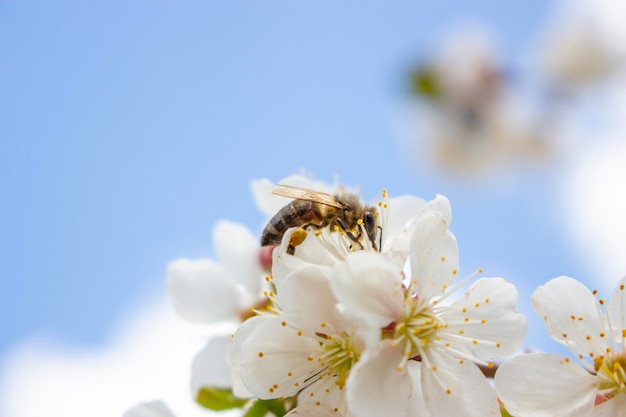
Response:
column 314, row 209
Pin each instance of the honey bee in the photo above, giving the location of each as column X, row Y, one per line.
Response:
column 318, row 210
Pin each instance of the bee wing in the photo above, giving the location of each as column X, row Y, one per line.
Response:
column 305, row 194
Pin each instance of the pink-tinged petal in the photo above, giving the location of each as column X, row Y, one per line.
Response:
column 455, row 387
column 571, row 315
column 238, row 250
column 305, row 297
column 376, row 388
column 615, row 407
column 149, row 409
column 234, row 350
column 369, row 285
column 201, row 291
column 417, row 405
column 434, row 255
column 276, row 359
column 487, row 319
column 616, row 311
column 545, row 385
column 210, row 366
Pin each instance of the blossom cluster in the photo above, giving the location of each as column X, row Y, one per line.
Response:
column 344, row 318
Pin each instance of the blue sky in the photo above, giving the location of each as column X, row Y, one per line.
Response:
column 128, row 128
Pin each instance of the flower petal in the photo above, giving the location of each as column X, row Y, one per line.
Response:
column 487, row 319
column 401, row 211
column 457, row 388
column 276, row 359
column 369, row 285
column 434, row 255
column 616, row 311
column 404, row 211
column 571, row 315
column 238, row 250
column 376, row 388
column 234, row 350
column 311, row 410
column 417, row 405
column 210, row 366
column 201, row 291
column 306, row 299
column 542, row 385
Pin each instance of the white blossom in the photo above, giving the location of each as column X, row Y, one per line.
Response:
column 424, row 339
column 207, row 291
column 537, row 384
column 300, row 347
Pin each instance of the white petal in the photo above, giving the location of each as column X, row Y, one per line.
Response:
column 615, row 407
column 404, row 211
column 150, row 409
column 456, row 388
column 306, row 299
column 376, row 388
column 284, row 263
column 434, row 255
column 486, row 316
column 616, row 310
column 571, row 314
column 417, row 405
column 238, row 250
column 371, row 286
column 201, row 291
column 545, row 385
column 400, row 215
column 210, row 366
column 311, row 410
column 234, row 350
column 275, row 360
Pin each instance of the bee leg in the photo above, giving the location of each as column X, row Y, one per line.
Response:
column 355, row 239
column 296, row 238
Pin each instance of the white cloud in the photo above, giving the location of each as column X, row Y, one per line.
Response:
column 595, row 207
column 147, row 358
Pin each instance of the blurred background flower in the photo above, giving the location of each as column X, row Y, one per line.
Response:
column 129, row 129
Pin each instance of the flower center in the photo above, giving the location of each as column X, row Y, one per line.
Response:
column 338, row 356
column 611, row 371
column 416, row 328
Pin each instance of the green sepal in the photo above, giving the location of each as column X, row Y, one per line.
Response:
column 261, row 407
column 219, row 399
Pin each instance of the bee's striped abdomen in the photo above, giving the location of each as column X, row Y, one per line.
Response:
column 297, row 213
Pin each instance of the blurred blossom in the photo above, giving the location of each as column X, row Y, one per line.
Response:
column 151, row 409
column 472, row 121
column 575, row 53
